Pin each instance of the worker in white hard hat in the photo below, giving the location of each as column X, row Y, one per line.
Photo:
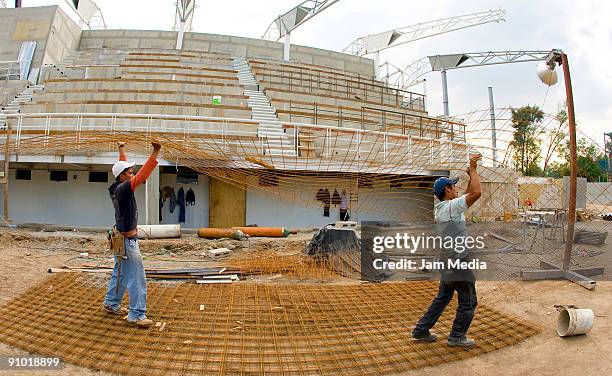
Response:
column 129, row 273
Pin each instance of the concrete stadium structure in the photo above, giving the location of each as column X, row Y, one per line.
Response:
column 134, row 77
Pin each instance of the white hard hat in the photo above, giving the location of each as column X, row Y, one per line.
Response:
column 120, row 166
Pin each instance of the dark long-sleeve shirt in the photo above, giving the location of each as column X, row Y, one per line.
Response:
column 122, row 196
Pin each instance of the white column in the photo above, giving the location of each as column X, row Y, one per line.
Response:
column 287, row 48
column 179, row 37
column 152, row 198
column 377, row 65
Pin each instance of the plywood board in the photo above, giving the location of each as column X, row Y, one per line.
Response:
column 227, row 204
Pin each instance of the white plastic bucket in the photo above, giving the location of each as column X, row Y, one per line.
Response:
column 159, row 231
column 574, row 321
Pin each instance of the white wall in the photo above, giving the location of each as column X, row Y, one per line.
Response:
column 195, row 216
column 75, row 202
column 600, row 194
column 80, row 203
column 265, row 209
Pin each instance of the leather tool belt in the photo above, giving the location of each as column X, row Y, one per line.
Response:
column 116, row 243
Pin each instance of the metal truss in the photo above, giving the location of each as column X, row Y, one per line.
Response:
column 395, row 37
column 476, row 59
column 410, row 75
column 184, row 14
column 287, row 22
column 93, row 19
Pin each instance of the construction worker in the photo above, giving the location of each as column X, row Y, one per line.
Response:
column 449, row 217
column 128, row 273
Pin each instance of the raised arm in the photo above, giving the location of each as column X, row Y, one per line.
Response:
column 474, row 190
column 145, row 171
column 122, row 153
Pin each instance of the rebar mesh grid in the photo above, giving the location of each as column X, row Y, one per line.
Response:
column 300, row 266
column 246, row 328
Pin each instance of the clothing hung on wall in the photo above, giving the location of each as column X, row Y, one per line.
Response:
column 326, row 202
column 167, row 192
column 180, row 201
column 161, row 205
column 335, row 198
column 190, row 198
column 344, row 205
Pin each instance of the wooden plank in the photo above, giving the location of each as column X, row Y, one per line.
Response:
column 227, row 204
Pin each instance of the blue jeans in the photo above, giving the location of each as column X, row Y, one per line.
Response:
column 466, row 292
column 132, row 279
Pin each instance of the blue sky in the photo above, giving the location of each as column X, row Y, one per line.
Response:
column 581, row 28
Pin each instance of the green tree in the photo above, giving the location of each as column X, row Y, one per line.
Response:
column 608, row 147
column 526, row 143
column 556, row 137
column 588, row 154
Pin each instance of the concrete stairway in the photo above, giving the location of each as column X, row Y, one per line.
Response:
column 270, row 131
column 14, row 106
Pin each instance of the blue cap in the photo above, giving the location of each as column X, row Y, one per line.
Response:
column 441, row 183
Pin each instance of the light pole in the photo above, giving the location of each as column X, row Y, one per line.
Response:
column 608, row 149
column 551, row 271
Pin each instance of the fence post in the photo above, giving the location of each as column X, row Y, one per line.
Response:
column 385, row 146
column 19, row 124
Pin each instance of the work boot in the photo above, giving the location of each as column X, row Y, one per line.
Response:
column 143, row 323
column 119, row 311
column 462, row 341
column 424, row 337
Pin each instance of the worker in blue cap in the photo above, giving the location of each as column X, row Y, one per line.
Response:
column 449, row 216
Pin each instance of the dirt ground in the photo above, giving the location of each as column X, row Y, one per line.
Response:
column 27, row 255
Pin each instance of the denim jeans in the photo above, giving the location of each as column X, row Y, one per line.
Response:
column 466, row 291
column 132, row 279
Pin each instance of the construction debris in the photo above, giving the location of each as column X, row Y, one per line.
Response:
column 215, row 253
column 590, row 237
column 194, row 273
column 218, row 279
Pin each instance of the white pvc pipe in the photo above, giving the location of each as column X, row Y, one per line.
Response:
column 159, row 231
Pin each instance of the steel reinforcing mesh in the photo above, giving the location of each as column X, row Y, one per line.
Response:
column 246, row 328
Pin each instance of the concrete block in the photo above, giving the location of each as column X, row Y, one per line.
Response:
column 264, row 53
column 301, row 57
column 233, row 50
column 87, row 43
column 210, row 37
column 328, row 62
column 219, row 252
column 105, row 33
column 120, row 43
column 157, row 43
column 360, row 68
column 195, row 45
